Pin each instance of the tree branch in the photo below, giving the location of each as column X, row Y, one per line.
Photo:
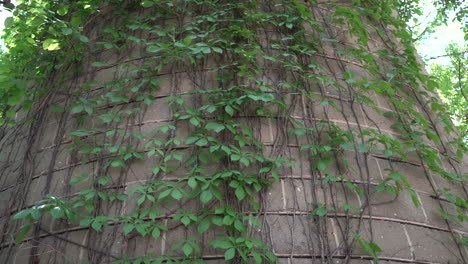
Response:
column 449, row 54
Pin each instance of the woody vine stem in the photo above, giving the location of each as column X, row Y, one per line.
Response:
column 203, row 160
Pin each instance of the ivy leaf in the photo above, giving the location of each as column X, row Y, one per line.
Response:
column 10, row 113
column 257, row 257
column 201, row 142
column 240, row 193
column 414, row 198
column 57, row 212
column 77, row 109
column 192, row 183
column 362, row 148
column 194, row 121
column 204, row 225
column 206, row 196
column 86, row 222
column 21, row 214
column 156, row 233
column 118, row 163
column 187, row 249
column 388, row 152
column 322, row 165
column 147, row 3
column 229, row 254
column 57, row 108
column 297, row 131
column 229, row 110
column 83, row 39
column 96, row 225
column 176, row 194
column 23, row 231
column 217, row 50
column 128, row 228
column 99, row 64
column 164, row 194
column 76, row 21
column 63, row 10
column 321, row 211
column 215, row 127
column 67, row 31
column 8, row 22
column 50, row 44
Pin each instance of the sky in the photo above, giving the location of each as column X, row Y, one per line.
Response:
column 3, row 15
column 432, row 46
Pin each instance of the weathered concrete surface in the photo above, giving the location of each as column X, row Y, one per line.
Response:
column 405, row 233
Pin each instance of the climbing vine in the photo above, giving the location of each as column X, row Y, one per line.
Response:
column 158, row 154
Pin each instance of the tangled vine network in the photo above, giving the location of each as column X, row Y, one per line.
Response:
column 206, row 131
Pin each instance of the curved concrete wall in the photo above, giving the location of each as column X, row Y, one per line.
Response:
column 36, row 160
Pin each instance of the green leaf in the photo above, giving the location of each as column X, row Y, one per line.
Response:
column 96, row 225
column 76, row 20
column 321, row 165
column 239, row 226
column 380, row 187
column 321, row 211
column 57, row 108
column 50, row 44
column 67, row 31
column 187, row 249
column 141, row 199
column 201, row 142
column 362, row 148
column 147, row 3
column 192, row 182
column 414, row 198
column 10, row 113
column 375, row 247
column 204, row 225
column 388, row 152
column 297, row 131
column 8, row 22
column 217, row 50
column 86, row 222
column 99, row 64
column 77, row 109
column 257, row 257
column 156, row 233
column 194, row 121
column 23, row 231
column 222, row 244
column 22, row 214
column 63, row 10
column 206, row 196
column 154, row 49
column 176, row 194
column 56, row 212
column 128, row 228
column 230, row 254
column 164, row 194
column 83, row 39
column 240, row 193
column 229, row 110
column 185, row 220
column 215, row 127
column 36, row 213
column 118, row 163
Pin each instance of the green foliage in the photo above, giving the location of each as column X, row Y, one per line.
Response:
column 45, row 37
column 452, row 83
